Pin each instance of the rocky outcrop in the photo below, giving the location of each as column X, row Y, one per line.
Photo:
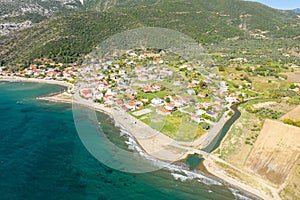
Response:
column 6, row 28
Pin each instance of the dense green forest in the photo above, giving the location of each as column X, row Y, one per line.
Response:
column 228, row 26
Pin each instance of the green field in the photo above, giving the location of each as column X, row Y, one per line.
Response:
column 177, row 126
column 150, row 96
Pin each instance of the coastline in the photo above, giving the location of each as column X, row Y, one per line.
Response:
column 211, row 166
column 149, row 144
column 150, row 141
column 35, row 80
column 153, row 142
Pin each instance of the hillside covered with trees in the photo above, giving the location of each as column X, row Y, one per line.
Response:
column 67, row 37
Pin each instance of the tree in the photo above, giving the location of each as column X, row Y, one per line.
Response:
column 205, row 125
column 168, row 100
column 221, row 69
column 101, row 101
column 293, row 86
column 238, row 68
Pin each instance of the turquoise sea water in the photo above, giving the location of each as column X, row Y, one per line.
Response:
column 42, row 157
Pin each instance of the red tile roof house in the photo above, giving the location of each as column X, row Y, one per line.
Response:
column 186, row 100
column 109, row 101
column 33, row 67
column 148, row 89
column 17, row 73
column 165, row 74
column 131, row 97
column 177, row 102
column 163, row 111
column 170, row 107
column 191, row 85
column 218, row 107
column 37, row 72
column 5, row 73
column 86, row 93
column 202, row 94
column 231, row 98
column 153, row 88
column 131, row 105
column 107, row 96
column 51, row 73
column 157, row 87
column 196, row 118
column 153, row 76
column 66, row 74
column 119, row 102
column 113, row 76
column 143, row 78
column 204, row 105
column 201, row 106
column 29, row 72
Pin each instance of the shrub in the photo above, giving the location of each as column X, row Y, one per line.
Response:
column 292, row 122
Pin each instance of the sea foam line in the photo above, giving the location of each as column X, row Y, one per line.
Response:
column 181, row 171
column 178, row 172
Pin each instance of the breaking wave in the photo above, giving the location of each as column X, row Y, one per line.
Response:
column 180, row 173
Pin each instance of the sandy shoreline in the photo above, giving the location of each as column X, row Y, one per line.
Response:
column 211, row 166
column 35, row 80
column 151, row 141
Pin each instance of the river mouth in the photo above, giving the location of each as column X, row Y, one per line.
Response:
column 195, row 161
column 173, row 182
column 218, row 139
column 42, row 157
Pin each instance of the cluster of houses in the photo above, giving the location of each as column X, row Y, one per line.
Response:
column 110, row 83
column 155, row 73
column 43, row 72
column 149, row 88
column 169, row 104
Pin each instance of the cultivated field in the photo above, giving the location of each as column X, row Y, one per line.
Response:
column 275, row 152
column 265, row 148
column 293, row 77
column 292, row 189
column 294, row 114
column 233, row 148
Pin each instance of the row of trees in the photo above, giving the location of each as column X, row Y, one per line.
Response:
column 292, row 122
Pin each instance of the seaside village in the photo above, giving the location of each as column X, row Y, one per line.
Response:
column 51, row 71
column 140, row 83
column 145, row 82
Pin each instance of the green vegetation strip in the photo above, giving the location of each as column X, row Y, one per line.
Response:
column 292, row 122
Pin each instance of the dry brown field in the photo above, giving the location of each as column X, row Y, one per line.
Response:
column 275, row 152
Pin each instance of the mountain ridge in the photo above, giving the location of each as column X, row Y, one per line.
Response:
column 70, row 36
column 297, row 10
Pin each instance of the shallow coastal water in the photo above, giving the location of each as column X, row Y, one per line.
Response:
column 42, row 157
